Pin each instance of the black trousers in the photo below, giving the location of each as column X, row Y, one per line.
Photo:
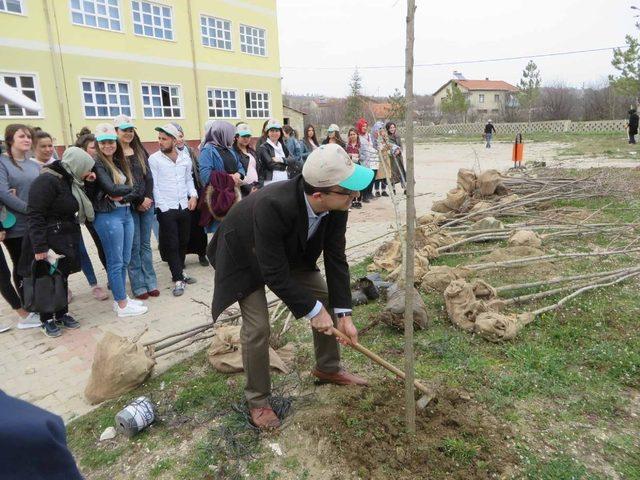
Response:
column 174, row 238
column 14, row 246
column 98, row 243
column 7, row 289
column 197, row 236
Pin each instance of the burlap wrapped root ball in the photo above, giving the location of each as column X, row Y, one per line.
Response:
column 387, row 257
column 480, row 207
column 119, row 366
column 487, row 223
column 420, row 268
column 438, row 278
column 393, row 313
column 496, row 327
column 524, row 238
column 462, row 305
column 431, row 219
column 489, row 183
column 452, row 203
column 467, row 180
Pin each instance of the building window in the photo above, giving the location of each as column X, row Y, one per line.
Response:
column 216, row 32
column 103, row 14
column 257, row 104
column 105, row 99
column 161, row 101
column 252, row 40
column 25, row 84
column 496, row 98
column 152, row 20
column 481, row 98
column 222, row 103
column 11, row 6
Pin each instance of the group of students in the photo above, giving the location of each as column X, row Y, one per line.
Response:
column 110, row 184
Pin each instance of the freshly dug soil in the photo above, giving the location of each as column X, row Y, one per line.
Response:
column 455, row 438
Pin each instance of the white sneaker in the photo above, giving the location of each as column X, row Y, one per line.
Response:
column 130, row 310
column 31, row 321
column 5, row 328
column 130, row 301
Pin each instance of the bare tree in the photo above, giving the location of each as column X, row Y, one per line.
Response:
column 558, row 102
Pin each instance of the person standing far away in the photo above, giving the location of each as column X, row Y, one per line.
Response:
column 175, row 197
column 292, row 143
column 632, row 126
column 489, row 130
column 111, row 195
column 142, row 276
column 333, row 136
column 368, row 155
column 197, row 235
column 353, row 150
column 273, row 238
column 309, row 142
column 17, row 173
column 273, row 155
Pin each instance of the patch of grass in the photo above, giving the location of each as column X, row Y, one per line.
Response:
column 560, row 467
column 202, row 391
column 460, row 450
column 164, row 465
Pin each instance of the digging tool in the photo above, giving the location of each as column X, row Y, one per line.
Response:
column 429, row 393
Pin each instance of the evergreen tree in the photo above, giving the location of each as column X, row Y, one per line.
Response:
column 398, row 104
column 455, row 102
column 353, row 107
column 529, row 87
column 627, row 62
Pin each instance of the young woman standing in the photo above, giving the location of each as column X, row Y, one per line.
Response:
column 248, row 156
column 310, row 141
column 353, row 149
column 111, row 199
column 17, row 173
column 272, row 155
column 43, row 148
column 333, row 136
column 142, row 275
column 397, row 165
column 368, row 155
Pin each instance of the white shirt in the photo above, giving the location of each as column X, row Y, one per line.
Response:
column 172, row 181
column 314, row 223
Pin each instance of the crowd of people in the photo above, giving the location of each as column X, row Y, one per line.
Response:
column 109, row 183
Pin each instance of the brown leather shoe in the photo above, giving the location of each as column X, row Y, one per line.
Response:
column 341, row 377
column 264, row 418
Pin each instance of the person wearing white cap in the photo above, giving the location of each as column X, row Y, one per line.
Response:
column 274, row 238
column 333, row 136
column 273, row 155
column 489, row 130
column 175, row 196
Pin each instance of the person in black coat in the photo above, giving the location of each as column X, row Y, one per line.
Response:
column 55, row 198
column 274, row 238
column 33, row 443
column 633, row 125
column 273, row 155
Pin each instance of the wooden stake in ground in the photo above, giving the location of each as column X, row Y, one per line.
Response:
column 409, row 401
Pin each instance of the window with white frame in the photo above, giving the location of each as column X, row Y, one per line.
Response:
column 216, row 32
column 481, row 98
column 105, row 99
column 26, row 85
column 253, row 40
column 103, row 14
column 11, row 6
column 161, row 101
column 152, row 20
column 496, row 98
column 257, row 104
column 223, row 103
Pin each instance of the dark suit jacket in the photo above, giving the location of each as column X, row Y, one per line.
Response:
column 264, row 237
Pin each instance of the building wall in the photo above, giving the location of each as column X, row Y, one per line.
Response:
column 490, row 105
column 82, row 52
column 296, row 120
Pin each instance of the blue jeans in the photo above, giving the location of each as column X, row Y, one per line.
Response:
column 116, row 234
column 142, row 276
column 86, row 265
column 488, row 137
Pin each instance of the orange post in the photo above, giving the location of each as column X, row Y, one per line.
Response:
column 518, row 151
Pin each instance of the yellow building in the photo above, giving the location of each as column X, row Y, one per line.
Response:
column 185, row 61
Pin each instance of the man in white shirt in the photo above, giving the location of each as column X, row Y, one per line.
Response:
column 175, row 196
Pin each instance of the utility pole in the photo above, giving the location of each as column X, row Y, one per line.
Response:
column 410, row 406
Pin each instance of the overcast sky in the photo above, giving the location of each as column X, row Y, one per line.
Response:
column 364, row 33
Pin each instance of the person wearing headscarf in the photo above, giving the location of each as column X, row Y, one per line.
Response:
column 197, row 236
column 398, row 173
column 218, row 155
column 368, row 155
column 57, row 201
column 384, row 168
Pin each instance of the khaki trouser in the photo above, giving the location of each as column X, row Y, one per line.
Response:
column 255, row 332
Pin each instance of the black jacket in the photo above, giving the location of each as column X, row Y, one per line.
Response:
column 266, row 165
column 100, row 190
column 489, row 128
column 633, row 123
column 142, row 182
column 52, row 220
column 264, row 237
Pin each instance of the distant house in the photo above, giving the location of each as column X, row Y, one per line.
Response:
column 485, row 96
column 380, row 111
column 295, row 118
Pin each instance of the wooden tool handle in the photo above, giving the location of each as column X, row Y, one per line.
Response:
column 379, row 360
